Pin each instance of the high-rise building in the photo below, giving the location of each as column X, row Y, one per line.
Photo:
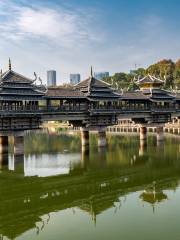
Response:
column 51, row 78
column 101, row 75
column 75, row 78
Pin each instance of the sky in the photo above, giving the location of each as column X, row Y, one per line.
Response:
column 71, row 35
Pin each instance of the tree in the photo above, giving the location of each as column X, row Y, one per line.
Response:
column 140, row 72
column 164, row 69
column 177, row 75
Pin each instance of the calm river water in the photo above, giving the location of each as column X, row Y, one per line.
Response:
column 57, row 191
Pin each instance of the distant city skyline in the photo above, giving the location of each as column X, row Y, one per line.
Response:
column 51, row 78
column 70, row 37
column 75, row 78
column 101, row 75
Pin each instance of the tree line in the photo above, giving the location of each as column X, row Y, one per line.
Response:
column 165, row 69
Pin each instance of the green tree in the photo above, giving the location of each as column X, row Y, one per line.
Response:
column 164, row 69
column 177, row 75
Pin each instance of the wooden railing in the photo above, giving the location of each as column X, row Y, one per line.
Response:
column 85, row 108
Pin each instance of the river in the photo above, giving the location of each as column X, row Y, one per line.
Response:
column 124, row 191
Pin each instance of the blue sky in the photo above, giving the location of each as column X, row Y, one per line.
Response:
column 71, row 35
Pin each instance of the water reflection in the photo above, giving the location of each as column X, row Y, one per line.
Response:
column 64, row 176
column 50, row 165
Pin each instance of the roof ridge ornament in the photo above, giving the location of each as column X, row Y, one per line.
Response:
column 9, row 64
column 35, row 75
column 90, row 82
column 40, row 80
column 1, row 73
column 91, row 72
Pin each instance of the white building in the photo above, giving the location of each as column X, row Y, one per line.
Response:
column 101, row 75
column 75, row 78
column 51, row 78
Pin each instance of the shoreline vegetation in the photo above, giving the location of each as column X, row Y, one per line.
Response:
column 165, row 69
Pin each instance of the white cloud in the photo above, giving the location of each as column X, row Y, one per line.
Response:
column 62, row 26
column 38, row 38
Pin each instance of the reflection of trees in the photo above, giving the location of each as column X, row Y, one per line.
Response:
column 93, row 191
column 103, row 181
column 44, row 143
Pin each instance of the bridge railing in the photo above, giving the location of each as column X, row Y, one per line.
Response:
column 42, row 109
column 119, row 108
column 85, row 108
column 163, row 109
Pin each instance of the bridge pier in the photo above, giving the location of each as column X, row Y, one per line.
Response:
column 84, row 137
column 3, row 144
column 3, row 151
column 160, row 133
column 102, row 138
column 143, row 133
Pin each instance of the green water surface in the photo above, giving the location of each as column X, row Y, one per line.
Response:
column 124, row 191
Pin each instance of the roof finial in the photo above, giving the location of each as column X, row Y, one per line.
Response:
column 91, row 71
column 1, row 73
column 9, row 64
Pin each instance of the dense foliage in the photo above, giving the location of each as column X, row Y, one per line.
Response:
column 165, row 69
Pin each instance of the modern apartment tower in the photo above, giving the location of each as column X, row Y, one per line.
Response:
column 75, row 78
column 51, row 78
column 101, row 75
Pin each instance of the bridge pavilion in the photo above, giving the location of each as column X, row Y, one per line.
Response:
column 151, row 97
column 91, row 104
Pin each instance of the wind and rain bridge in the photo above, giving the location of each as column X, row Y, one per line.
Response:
column 92, row 105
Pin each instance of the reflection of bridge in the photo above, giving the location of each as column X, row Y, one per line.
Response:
column 90, row 188
column 91, row 104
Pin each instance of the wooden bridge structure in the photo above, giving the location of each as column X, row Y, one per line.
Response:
column 92, row 105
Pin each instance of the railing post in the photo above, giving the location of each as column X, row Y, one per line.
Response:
column 143, row 133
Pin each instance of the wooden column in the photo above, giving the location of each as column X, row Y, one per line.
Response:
column 143, row 133
column 3, row 144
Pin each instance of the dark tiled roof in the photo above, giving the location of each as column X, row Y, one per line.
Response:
column 96, row 89
column 154, row 94
column 138, row 95
column 14, row 84
column 158, row 93
column 149, row 79
column 60, row 92
column 19, row 92
column 11, row 76
column 177, row 96
column 93, row 82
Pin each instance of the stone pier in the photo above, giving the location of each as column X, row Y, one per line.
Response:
column 3, row 151
column 143, row 133
column 3, row 144
column 102, row 137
